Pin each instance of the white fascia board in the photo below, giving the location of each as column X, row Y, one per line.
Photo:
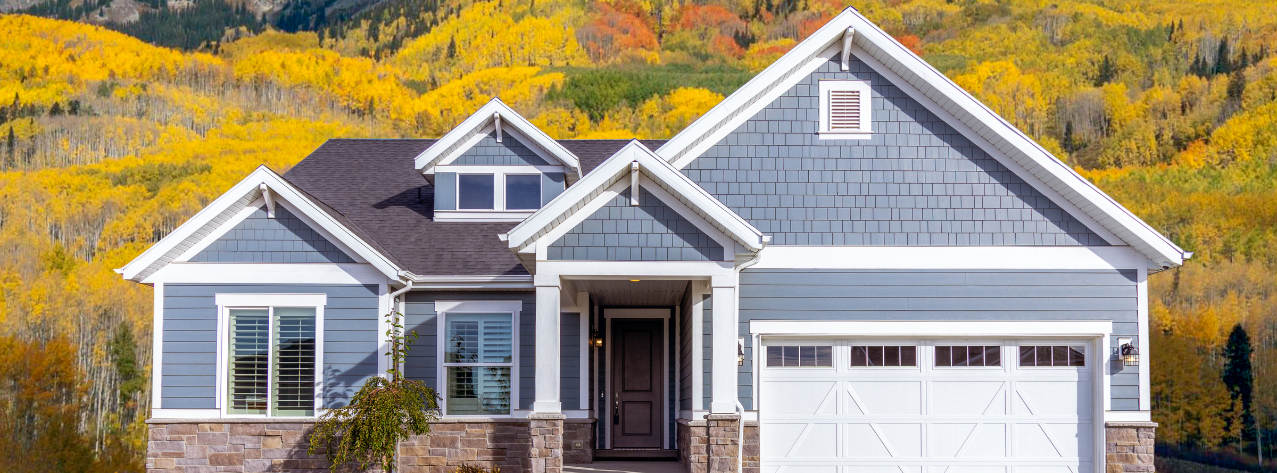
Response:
column 268, row 273
column 1016, row 144
column 660, row 172
column 456, row 141
column 934, row 328
column 472, row 282
column 950, row 257
column 286, row 194
column 624, row 270
column 765, row 83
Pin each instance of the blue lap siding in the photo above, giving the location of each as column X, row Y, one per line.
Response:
column 809, row 294
column 189, row 366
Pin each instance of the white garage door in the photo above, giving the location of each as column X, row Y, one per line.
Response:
column 926, row 406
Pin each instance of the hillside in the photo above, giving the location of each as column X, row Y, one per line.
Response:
column 108, row 142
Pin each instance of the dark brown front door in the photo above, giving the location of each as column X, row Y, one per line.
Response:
column 636, row 384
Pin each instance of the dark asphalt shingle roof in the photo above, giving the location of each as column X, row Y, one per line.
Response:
column 373, row 186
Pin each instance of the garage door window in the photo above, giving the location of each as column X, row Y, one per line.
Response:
column 968, row 356
column 869, row 356
column 791, row 356
column 1052, row 356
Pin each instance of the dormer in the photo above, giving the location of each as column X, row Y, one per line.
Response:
column 495, row 167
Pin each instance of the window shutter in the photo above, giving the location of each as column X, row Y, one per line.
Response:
column 844, row 110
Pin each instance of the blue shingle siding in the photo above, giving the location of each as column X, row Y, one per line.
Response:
column 809, row 294
column 509, row 152
column 189, row 370
column 916, row 182
column 551, row 186
column 446, row 191
column 651, row 231
column 283, row 239
column 422, row 361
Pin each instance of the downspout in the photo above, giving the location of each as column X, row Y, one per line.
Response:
column 740, row 408
column 407, row 279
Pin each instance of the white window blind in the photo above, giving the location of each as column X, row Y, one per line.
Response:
column 250, row 361
column 272, row 361
column 294, row 361
column 479, row 356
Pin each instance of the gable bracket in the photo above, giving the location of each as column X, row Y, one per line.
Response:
column 270, row 200
column 634, row 178
column 847, row 39
column 496, row 118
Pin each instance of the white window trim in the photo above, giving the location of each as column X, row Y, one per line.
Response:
column 225, row 302
column 866, row 109
column 442, row 309
column 498, row 212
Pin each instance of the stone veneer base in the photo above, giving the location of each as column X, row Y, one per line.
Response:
column 1128, row 447
column 540, row 444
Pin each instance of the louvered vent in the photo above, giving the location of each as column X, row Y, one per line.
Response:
column 844, row 110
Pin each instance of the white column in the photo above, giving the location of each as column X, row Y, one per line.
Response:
column 547, row 347
column 723, row 357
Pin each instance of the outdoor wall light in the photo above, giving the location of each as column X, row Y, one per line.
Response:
column 596, row 339
column 740, row 352
column 1130, row 355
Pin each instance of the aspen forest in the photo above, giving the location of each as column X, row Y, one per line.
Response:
column 109, row 141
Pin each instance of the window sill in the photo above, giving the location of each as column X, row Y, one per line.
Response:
column 844, row 135
column 482, row 215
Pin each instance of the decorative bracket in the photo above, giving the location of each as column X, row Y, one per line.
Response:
column 847, row 39
column 496, row 118
column 270, row 200
column 634, row 188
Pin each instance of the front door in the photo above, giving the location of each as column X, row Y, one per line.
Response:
column 636, row 383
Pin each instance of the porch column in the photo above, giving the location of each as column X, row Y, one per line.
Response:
column 547, row 399
column 723, row 358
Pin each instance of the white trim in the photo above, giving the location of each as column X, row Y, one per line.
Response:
column 634, row 269
column 862, row 87
column 384, row 306
column 949, row 257
column 246, row 191
column 462, row 137
column 228, row 301
column 157, row 346
column 1142, row 341
column 552, row 215
column 1128, row 416
column 157, row 413
column 442, row 309
column 583, row 331
column 272, row 300
column 219, row 232
column 472, row 282
column 587, row 209
column 929, row 328
column 269, row 273
column 499, row 169
column 482, row 216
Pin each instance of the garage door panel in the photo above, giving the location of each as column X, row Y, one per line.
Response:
column 968, row 398
column 1053, row 398
column 905, row 439
column 1053, row 469
column 801, row 441
column 864, row 442
column 885, row 398
column 1052, row 440
column 883, row 469
column 801, row 398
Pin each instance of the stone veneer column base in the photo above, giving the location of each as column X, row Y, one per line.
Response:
column 547, row 443
column 1128, row 446
column 724, row 442
column 693, row 445
column 578, row 441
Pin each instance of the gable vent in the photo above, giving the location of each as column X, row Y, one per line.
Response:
column 844, row 110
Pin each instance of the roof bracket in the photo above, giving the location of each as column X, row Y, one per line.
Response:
column 496, row 118
column 846, row 48
column 634, row 188
column 270, row 200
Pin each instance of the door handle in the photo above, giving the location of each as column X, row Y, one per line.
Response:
column 616, row 413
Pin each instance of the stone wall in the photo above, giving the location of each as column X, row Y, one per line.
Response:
column 503, row 443
column 1128, row 446
column 753, row 450
column 724, row 442
column 693, row 442
column 233, row 445
column 578, row 441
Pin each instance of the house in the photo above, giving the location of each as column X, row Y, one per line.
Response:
column 849, row 265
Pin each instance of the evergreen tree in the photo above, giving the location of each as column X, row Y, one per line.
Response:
column 1068, row 136
column 55, row 110
column 11, row 145
column 1236, row 85
column 452, row 48
column 1222, row 64
column 1239, row 376
column 1106, row 73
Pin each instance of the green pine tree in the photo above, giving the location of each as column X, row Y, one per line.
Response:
column 1239, row 376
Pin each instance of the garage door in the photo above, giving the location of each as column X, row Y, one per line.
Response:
column 926, row 406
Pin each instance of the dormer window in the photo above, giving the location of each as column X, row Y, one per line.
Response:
column 475, row 192
column 846, row 108
column 481, row 192
column 522, row 191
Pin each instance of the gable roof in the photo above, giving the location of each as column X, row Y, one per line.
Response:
column 617, row 167
column 968, row 115
column 464, row 135
column 223, row 209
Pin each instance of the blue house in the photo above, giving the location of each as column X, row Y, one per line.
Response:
column 849, row 265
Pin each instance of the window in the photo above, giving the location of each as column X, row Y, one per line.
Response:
column 272, row 361
column 1052, row 356
column 800, row 356
column 475, row 191
column 845, row 109
column 478, row 356
column 956, row 356
column 884, row 355
column 522, row 191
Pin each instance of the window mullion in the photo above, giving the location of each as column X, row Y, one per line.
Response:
column 272, row 358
